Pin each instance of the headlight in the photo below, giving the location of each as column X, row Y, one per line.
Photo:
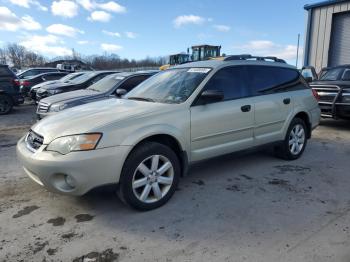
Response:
column 57, row 107
column 346, row 98
column 67, row 144
column 54, row 91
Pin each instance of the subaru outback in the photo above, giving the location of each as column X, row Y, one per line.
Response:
column 145, row 142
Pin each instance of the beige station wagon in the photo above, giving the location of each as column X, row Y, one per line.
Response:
column 145, row 142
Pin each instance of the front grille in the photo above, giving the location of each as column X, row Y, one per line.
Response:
column 42, row 107
column 41, row 95
column 327, row 94
column 33, row 140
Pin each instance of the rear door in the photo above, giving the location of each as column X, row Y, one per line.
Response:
column 273, row 98
column 225, row 126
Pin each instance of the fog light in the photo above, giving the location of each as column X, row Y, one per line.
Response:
column 70, row 181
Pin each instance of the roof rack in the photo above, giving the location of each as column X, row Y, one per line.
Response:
column 250, row 57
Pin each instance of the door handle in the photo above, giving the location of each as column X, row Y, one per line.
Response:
column 246, row 108
column 286, row 101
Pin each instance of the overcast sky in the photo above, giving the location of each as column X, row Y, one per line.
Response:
column 136, row 29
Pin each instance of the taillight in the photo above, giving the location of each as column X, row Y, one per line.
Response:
column 16, row 82
column 25, row 83
column 314, row 92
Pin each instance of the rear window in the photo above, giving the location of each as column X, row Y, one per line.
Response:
column 5, row 71
column 268, row 79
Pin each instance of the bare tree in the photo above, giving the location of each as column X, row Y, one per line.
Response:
column 16, row 54
column 3, row 58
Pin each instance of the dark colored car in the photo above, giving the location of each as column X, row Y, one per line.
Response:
column 81, row 82
column 333, row 88
column 9, row 90
column 65, row 79
column 27, row 83
column 113, row 85
column 36, row 71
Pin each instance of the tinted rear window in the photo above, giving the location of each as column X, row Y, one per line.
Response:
column 266, row 79
column 4, row 71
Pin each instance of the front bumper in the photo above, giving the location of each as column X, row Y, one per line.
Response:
column 85, row 170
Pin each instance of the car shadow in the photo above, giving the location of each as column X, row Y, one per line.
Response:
column 343, row 125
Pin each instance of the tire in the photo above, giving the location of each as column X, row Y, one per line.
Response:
column 293, row 145
column 147, row 183
column 6, row 104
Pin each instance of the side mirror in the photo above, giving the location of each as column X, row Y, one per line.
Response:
column 43, row 78
column 120, row 92
column 309, row 72
column 211, row 96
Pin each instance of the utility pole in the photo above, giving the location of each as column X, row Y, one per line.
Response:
column 296, row 63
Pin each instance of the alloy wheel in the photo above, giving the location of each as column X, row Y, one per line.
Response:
column 297, row 139
column 153, row 178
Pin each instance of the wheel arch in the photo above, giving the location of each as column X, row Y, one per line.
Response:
column 306, row 118
column 170, row 141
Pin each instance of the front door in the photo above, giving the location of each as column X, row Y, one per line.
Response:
column 226, row 126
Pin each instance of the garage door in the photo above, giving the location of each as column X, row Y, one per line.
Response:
column 339, row 52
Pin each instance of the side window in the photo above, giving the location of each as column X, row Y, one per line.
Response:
column 132, row 82
column 346, row 75
column 231, row 81
column 97, row 78
column 267, row 79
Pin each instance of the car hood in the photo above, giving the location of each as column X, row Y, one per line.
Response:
column 70, row 96
column 44, row 84
column 331, row 83
column 93, row 117
column 58, row 85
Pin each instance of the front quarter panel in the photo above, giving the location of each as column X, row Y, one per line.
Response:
column 175, row 123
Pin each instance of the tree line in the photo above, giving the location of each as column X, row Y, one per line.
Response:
column 20, row 57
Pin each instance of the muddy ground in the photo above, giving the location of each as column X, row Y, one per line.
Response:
column 247, row 206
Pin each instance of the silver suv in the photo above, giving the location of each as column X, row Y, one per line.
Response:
column 145, row 142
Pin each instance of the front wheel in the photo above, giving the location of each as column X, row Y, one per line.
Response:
column 295, row 141
column 149, row 177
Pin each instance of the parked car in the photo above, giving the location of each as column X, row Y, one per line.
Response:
column 114, row 85
column 333, row 88
column 27, row 83
column 65, row 79
column 81, row 82
column 36, row 71
column 9, row 90
column 188, row 113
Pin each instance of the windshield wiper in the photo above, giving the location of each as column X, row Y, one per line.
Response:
column 141, row 98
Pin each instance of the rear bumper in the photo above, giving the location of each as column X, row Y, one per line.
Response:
column 18, row 99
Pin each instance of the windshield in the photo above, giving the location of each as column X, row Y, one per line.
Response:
column 82, row 78
column 170, row 86
column 106, row 83
column 331, row 74
column 70, row 77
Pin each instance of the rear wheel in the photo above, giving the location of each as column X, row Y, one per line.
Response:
column 6, row 104
column 295, row 141
column 149, row 177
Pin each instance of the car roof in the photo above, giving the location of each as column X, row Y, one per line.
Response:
column 49, row 73
column 221, row 63
column 144, row 72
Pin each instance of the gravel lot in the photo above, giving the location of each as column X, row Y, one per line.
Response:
column 247, row 206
